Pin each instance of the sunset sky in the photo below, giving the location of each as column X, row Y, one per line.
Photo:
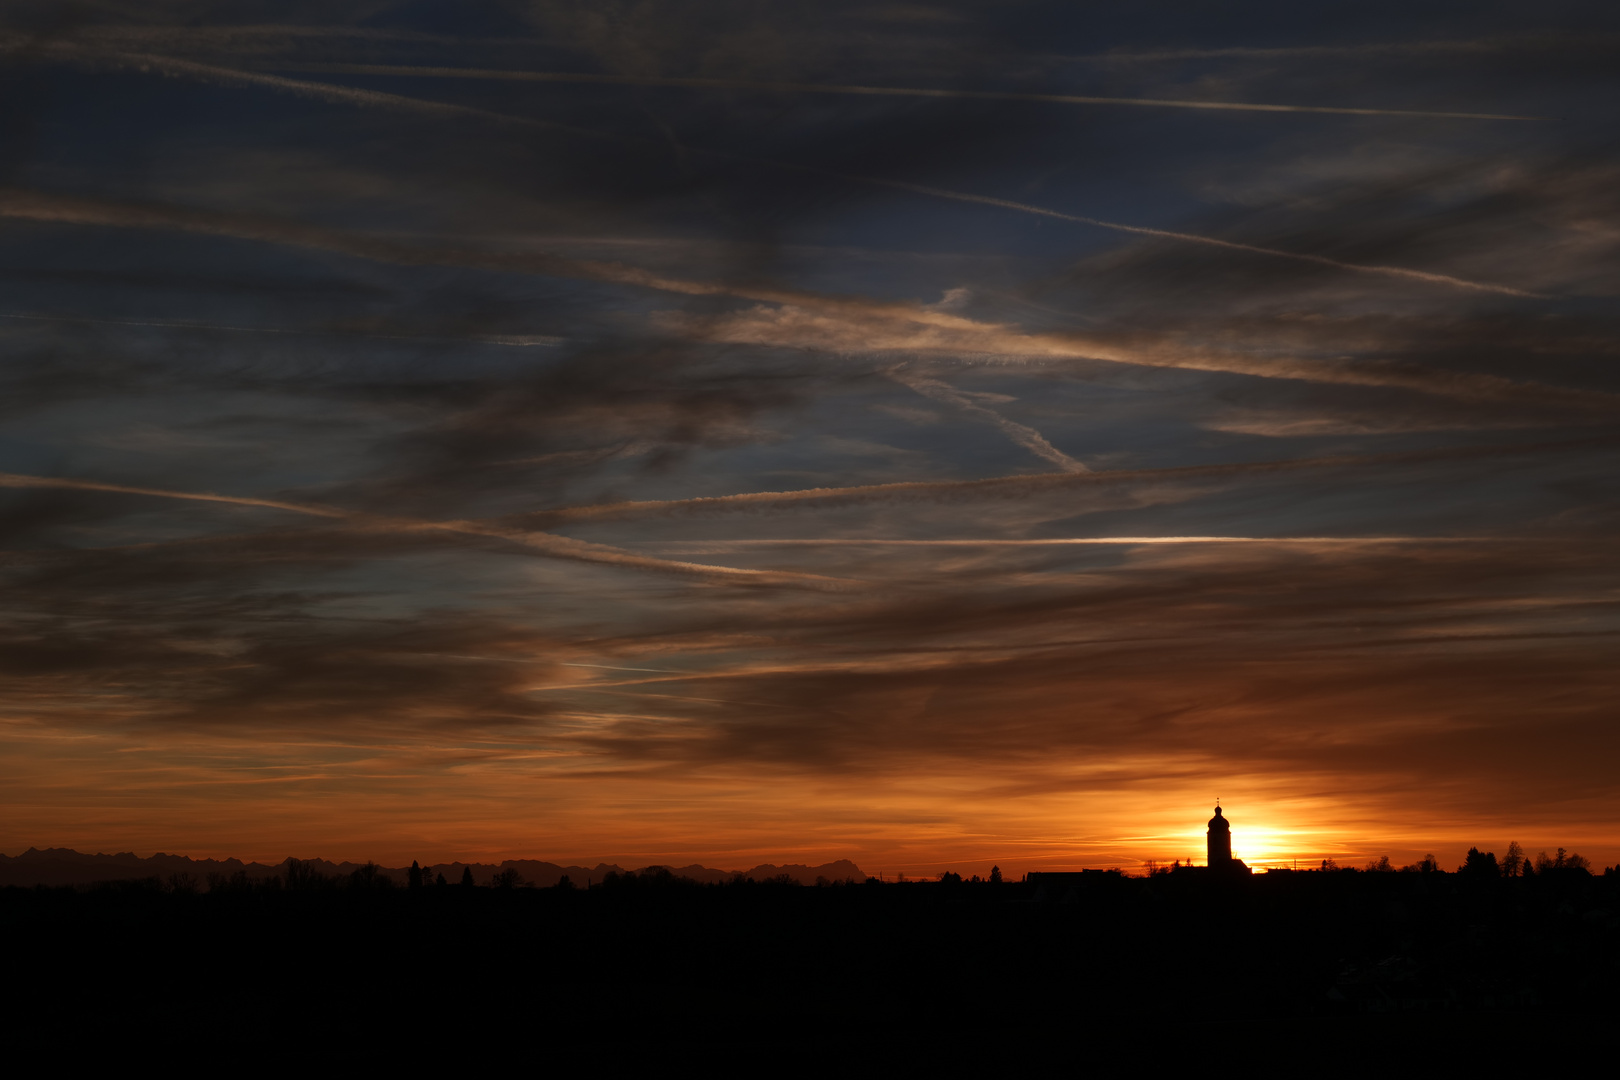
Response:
column 930, row 435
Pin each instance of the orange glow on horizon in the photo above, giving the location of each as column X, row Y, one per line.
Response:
column 373, row 807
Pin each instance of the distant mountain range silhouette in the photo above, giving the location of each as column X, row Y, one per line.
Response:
column 64, row 866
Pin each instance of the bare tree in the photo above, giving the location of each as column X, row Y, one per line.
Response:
column 370, row 876
column 1562, row 861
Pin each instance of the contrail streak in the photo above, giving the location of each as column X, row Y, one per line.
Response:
column 18, row 480
column 1022, row 434
column 1024, row 485
column 845, row 331
column 565, row 547
column 523, row 340
column 841, row 324
column 561, row 547
column 870, row 91
column 1195, row 238
column 883, row 663
column 74, row 210
column 844, row 541
column 1478, row 45
column 376, row 99
column 222, row 38
column 347, row 95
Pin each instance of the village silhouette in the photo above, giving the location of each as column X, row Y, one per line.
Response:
column 783, row 956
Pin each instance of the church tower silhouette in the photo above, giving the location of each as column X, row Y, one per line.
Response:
column 1220, row 841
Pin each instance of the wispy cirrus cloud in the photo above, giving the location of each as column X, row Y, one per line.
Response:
column 832, row 323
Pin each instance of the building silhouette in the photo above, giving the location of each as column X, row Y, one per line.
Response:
column 1071, row 885
column 1220, row 840
column 1220, row 846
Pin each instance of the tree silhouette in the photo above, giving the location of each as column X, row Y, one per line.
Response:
column 1513, row 863
column 1562, row 861
column 995, row 875
column 440, row 879
column 301, row 875
column 466, row 877
column 509, row 879
column 1480, row 864
column 414, row 875
column 370, row 876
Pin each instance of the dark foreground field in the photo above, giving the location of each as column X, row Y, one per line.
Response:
column 1101, row 965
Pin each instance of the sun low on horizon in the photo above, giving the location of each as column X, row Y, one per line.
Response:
column 940, row 437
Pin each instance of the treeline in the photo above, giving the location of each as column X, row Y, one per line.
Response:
column 296, row 875
column 1514, row 863
column 303, row 876
column 300, row 876
column 719, row 964
column 662, row 877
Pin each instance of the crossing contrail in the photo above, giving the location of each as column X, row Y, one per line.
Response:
column 1022, row 434
column 399, row 102
column 801, row 319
